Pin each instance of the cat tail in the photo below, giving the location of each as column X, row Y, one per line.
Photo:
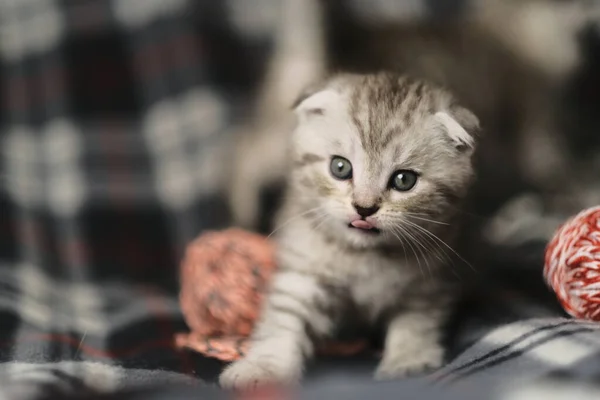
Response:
column 298, row 60
column 299, row 56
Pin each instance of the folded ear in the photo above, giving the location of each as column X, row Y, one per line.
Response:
column 461, row 125
column 315, row 100
column 307, row 92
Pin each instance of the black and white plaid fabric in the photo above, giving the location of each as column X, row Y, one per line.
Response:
column 114, row 115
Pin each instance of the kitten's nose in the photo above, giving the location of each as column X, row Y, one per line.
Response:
column 366, row 211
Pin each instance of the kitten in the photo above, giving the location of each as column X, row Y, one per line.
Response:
column 379, row 164
column 508, row 77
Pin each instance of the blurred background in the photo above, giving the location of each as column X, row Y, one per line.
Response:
column 128, row 127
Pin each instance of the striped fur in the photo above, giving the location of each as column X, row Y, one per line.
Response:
column 380, row 123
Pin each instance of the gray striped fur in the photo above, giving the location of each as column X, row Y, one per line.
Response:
column 380, row 123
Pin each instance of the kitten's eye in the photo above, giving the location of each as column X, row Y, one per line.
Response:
column 341, row 168
column 403, row 180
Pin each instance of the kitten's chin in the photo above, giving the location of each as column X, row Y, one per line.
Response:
column 362, row 238
column 349, row 236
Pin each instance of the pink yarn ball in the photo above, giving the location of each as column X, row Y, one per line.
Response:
column 572, row 265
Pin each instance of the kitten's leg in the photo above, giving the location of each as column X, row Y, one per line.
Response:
column 296, row 305
column 412, row 345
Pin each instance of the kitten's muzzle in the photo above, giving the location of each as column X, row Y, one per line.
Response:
column 365, row 211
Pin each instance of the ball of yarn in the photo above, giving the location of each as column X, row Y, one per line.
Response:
column 223, row 278
column 572, row 265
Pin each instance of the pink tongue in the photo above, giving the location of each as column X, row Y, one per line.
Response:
column 360, row 224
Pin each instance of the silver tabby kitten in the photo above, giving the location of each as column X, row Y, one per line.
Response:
column 379, row 163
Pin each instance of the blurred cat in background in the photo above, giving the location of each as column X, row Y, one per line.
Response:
column 510, row 61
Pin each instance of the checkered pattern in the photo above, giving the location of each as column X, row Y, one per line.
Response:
column 113, row 123
column 114, row 116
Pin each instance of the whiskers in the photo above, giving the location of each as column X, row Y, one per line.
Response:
column 426, row 242
column 315, row 214
column 401, row 233
column 419, row 216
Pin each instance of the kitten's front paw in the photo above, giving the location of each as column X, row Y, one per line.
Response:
column 403, row 364
column 250, row 374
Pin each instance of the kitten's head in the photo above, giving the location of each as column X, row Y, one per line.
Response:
column 377, row 157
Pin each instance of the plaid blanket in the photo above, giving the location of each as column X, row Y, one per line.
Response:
column 114, row 116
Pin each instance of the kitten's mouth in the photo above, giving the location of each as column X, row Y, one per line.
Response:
column 364, row 226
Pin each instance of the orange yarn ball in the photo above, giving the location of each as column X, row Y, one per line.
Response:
column 223, row 278
column 572, row 265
